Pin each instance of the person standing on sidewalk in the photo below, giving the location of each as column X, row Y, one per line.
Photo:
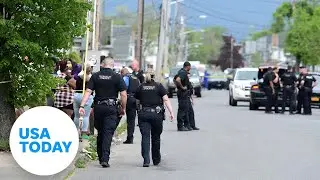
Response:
column 107, row 85
column 152, row 95
column 132, row 84
column 77, row 101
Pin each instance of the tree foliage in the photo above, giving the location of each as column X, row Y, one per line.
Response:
column 224, row 60
column 151, row 25
column 300, row 20
column 37, row 29
column 260, row 34
column 207, row 44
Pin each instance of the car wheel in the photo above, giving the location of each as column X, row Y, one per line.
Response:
column 209, row 87
column 232, row 101
column 198, row 94
column 253, row 106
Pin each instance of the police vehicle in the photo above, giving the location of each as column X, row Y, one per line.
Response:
column 315, row 97
column 257, row 95
column 195, row 79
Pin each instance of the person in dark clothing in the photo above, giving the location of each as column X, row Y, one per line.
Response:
column 132, row 84
column 288, row 80
column 300, row 91
column 182, row 82
column 152, row 95
column 191, row 111
column 137, row 71
column 107, row 86
column 307, row 84
column 269, row 89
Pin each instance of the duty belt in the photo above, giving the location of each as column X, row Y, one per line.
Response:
column 157, row 109
column 108, row 102
column 130, row 95
column 288, row 86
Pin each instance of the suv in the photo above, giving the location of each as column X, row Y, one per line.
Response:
column 194, row 79
column 257, row 94
column 240, row 85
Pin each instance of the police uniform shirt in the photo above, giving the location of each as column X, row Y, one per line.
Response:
column 150, row 94
column 183, row 75
column 300, row 79
column 139, row 75
column 308, row 80
column 267, row 78
column 288, row 78
column 106, row 84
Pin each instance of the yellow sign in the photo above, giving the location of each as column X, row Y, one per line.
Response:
column 314, row 99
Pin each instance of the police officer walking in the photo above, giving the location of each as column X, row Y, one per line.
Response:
column 151, row 114
column 288, row 80
column 136, row 71
column 182, row 82
column 132, row 84
column 307, row 84
column 107, row 85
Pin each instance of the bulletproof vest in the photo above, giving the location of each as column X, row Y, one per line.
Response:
column 287, row 79
column 151, row 90
column 308, row 80
column 266, row 79
column 134, row 83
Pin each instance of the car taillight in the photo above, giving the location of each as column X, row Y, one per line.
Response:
column 255, row 87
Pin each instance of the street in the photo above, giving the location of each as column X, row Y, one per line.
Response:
column 233, row 143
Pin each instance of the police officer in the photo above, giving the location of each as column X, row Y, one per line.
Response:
column 288, row 80
column 277, row 88
column 269, row 89
column 132, row 84
column 136, row 71
column 191, row 112
column 182, row 82
column 307, row 83
column 107, row 86
column 300, row 91
column 152, row 95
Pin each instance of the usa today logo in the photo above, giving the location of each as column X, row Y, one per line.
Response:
column 44, row 141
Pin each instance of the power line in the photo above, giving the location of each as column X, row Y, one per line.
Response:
column 219, row 17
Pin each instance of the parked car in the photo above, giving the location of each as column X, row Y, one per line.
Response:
column 240, row 85
column 217, row 80
column 257, row 94
column 315, row 97
column 194, row 79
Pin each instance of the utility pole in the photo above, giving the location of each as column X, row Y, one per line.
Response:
column 162, row 38
column 231, row 53
column 139, row 42
column 182, row 40
column 96, row 25
column 167, row 34
column 174, row 34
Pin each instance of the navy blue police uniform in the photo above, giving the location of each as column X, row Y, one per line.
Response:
column 150, row 117
column 191, row 111
column 288, row 80
column 268, row 76
column 107, row 85
column 183, row 122
column 131, row 109
column 307, row 92
column 139, row 75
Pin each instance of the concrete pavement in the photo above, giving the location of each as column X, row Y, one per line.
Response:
column 233, row 143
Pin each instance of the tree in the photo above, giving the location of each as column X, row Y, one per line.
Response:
column 224, row 60
column 260, row 34
column 30, row 33
column 208, row 44
column 151, row 25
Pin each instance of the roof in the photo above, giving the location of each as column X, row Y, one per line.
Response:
column 247, row 69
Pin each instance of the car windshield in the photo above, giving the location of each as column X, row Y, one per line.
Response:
column 246, row 75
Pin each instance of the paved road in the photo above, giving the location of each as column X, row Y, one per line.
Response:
column 233, row 144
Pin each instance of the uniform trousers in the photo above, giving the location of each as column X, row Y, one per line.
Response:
column 300, row 100
column 131, row 112
column 151, row 126
column 307, row 92
column 105, row 121
column 183, row 109
column 191, row 116
column 288, row 93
